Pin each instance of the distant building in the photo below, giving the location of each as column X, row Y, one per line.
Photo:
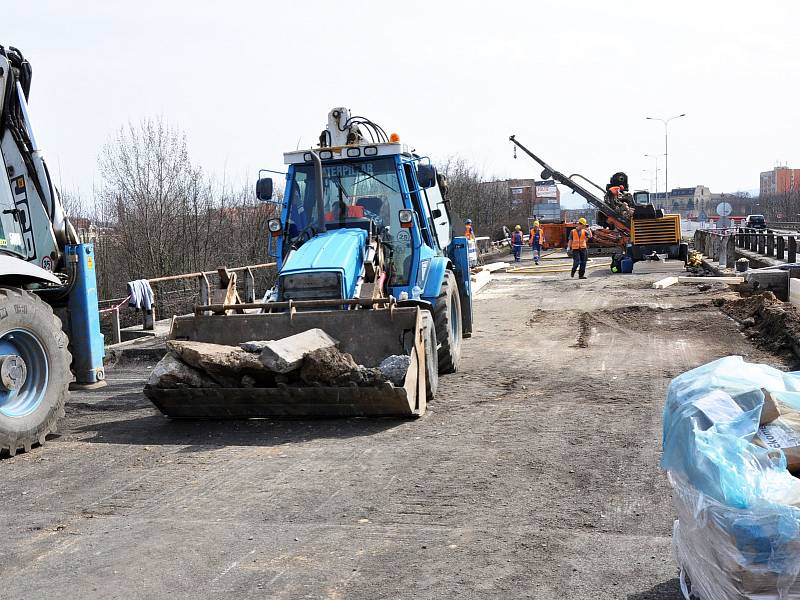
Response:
column 571, row 215
column 541, row 198
column 780, row 180
column 690, row 203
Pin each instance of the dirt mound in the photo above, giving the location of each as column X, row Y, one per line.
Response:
column 750, row 306
column 770, row 323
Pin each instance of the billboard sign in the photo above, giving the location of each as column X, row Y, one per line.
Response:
column 546, row 189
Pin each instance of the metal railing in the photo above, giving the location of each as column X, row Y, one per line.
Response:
column 195, row 286
column 721, row 245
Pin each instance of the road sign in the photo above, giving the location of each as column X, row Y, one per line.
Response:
column 724, row 209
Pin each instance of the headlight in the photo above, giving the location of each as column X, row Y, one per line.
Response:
column 406, row 218
column 274, row 225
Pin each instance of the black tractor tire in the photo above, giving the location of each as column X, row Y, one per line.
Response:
column 431, row 357
column 447, row 318
column 28, row 323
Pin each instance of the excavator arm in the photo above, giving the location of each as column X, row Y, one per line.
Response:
column 39, row 210
column 613, row 216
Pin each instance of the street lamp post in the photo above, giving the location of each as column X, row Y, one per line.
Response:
column 666, row 151
column 656, row 157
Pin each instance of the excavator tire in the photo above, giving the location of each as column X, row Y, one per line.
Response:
column 29, row 330
column 447, row 318
column 431, row 357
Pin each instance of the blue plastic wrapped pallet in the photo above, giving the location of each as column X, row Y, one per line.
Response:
column 731, row 435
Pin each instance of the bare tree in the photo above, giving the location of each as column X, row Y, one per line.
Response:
column 160, row 215
column 488, row 202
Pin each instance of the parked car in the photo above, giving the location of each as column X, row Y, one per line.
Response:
column 755, row 222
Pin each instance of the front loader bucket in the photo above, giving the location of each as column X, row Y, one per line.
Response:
column 369, row 335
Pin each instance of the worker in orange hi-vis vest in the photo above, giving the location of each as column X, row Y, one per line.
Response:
column 578, row 242
column 468, row 232
column 536, row 240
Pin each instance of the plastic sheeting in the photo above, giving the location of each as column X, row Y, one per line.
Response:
column 737, row 535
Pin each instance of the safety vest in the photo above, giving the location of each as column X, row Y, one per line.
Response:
column 468, row 231
column 516, row 238
column 537, row 232
column 579, row 239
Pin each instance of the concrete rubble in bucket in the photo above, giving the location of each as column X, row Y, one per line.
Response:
column 308, row 358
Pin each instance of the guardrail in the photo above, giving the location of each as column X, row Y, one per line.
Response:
column 204, row 291
column 794, row 225
column 721, row 245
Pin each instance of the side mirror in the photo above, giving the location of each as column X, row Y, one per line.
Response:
column 264, row 189
column 426, row 175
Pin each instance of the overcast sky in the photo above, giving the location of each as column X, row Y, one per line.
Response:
column 574, row 80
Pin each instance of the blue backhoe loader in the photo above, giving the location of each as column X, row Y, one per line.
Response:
column 49, row 321
column 366, row 251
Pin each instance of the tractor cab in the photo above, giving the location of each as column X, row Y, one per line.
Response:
column 641, row 198
column 384, row 189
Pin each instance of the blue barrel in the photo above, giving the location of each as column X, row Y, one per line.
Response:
column 627, row 265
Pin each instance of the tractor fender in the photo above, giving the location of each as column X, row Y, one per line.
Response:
column 435, row 277
column 15, row 271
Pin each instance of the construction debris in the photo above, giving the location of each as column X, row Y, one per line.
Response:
column 771, row 324
column 308, row 358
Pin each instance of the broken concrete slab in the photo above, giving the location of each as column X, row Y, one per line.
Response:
column 172, row 373
column 331, row 366
column 216, row 359
column 285, row 355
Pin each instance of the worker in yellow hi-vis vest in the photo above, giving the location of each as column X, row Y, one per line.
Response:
column 536, row 240
column 578, row 242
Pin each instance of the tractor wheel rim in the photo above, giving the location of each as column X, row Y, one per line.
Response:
column 27, row 398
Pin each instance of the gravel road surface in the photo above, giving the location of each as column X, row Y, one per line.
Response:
column 533, row 475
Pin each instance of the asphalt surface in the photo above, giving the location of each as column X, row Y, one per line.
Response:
column 533, row 475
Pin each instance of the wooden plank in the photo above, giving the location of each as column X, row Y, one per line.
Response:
column 480, row 279
column 666, row 282
column 496, row 266
column 732, row 280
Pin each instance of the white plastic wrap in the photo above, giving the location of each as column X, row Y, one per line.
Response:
column 732, row 553
column 737, row 533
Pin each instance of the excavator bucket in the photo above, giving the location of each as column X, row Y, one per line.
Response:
column 369, row 335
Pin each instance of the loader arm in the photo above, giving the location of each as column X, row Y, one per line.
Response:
column 614, row 216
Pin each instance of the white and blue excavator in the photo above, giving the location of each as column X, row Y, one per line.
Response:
column 49, row 322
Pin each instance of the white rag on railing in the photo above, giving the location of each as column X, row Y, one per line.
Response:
column 140, row 294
